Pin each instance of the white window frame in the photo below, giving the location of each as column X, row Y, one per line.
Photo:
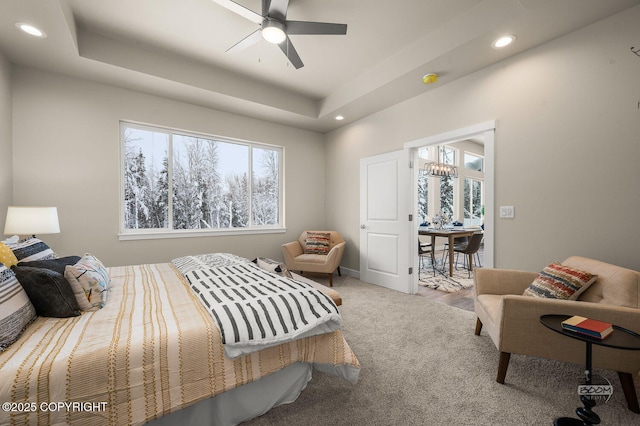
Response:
column 142, row 234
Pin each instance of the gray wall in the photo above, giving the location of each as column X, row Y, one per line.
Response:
column 66, row 151
column 6, row 144
column 566, row 152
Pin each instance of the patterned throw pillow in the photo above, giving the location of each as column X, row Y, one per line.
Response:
column 7, row 258
column 317, row 242
column 16, row 310
column 558, row 281
column 89, row 281
column 32, row 249
column 273, row 266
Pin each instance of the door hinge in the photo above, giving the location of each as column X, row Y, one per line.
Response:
column 410, row 271
column 411, row 164
column 410, row 218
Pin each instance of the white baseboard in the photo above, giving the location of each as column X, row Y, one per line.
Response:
column 351, row 272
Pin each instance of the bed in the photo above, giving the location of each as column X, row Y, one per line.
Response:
column 154, row 354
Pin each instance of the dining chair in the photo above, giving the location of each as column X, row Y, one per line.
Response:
column 459, row 242
column 425, row 249
column 469, row 249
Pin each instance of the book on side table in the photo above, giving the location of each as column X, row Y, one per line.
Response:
column 588, row 326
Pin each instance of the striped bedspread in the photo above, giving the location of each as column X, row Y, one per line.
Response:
column 153, row 349
column 254, row 308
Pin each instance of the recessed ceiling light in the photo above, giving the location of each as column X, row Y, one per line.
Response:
column 503, row 41
column 31, row 30
column 339, row 117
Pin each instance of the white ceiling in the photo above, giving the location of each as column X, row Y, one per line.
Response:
column 176, row 48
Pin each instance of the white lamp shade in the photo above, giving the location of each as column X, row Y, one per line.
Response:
column 32, row 220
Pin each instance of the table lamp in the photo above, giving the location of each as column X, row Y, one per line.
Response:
column 31, row 221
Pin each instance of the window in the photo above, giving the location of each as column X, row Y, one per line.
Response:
column 177, row 183
column 473, row 210
column 447, row 156
column 423, row 195
column 423, row 187
column 473, row 162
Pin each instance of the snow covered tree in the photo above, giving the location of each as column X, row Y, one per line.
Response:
column 136, row 191
column 188, row 184
column 205, row 183
column 237, row 201
column 160, row 207
column 266, row 187
column 423, row 195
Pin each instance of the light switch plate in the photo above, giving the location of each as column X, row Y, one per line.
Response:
column 507, row 212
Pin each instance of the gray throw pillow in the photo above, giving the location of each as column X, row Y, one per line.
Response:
column 49, row 292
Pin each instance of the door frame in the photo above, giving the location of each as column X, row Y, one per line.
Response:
column 487, row 131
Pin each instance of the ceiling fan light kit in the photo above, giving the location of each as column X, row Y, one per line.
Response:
column 273, row 31
column 276, row 29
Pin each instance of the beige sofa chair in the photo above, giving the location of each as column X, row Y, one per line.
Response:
column 513, row 320
column 297, row 259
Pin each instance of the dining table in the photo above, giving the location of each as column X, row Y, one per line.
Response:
column 451, row 234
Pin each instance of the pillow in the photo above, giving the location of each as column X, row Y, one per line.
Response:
column 49, row 292
column 317, row 242
column 32, row 249
column 558, row 281
column 16, row 310
column 273, row 266
column 11, row 240
column 89, row 281
column 7, row 258
column 57, row 265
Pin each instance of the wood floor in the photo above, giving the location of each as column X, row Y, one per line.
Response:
column 462, row 299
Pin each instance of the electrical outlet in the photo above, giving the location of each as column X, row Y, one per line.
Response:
column 507, row 212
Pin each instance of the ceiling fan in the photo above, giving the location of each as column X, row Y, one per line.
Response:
column 275, row 28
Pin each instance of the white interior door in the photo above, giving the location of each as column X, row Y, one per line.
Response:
column 385, row 200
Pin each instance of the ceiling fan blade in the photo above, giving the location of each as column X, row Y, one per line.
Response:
column 240, row 10
column 278, row 9
column 247, row 41
column 304, row 27
column 288, row 49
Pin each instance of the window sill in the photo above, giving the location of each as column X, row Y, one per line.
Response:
column 154, row 235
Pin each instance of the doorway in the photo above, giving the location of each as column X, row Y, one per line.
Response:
column 484, row 132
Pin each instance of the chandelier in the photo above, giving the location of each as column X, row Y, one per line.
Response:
column 438, row 169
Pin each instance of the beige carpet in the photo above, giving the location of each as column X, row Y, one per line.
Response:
column 422, row 365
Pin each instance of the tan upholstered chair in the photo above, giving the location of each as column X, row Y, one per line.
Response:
column 297, row 259
column 513, row 320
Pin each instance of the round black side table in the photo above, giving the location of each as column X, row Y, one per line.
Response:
column 621, row 338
